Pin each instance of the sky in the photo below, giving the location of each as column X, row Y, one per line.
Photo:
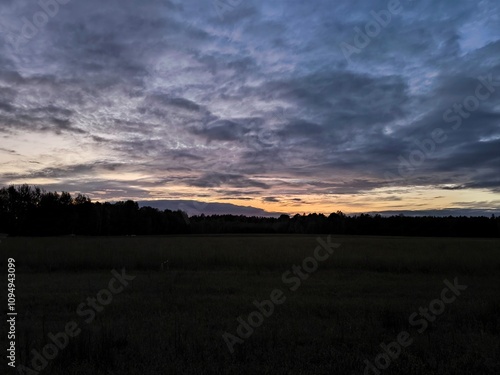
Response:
column 274, row 106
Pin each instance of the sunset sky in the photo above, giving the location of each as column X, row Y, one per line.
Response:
column 283, row 106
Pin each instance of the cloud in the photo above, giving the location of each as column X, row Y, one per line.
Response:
column 231, row 180
column 260, row 104
column 271, row 199
column 198, row 208
column 443, row 213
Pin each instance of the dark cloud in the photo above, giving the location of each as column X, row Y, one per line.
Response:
column 443, row 213
column 221, row 130
column 256, row 102
column 198, row 208
column 231, row 180
column 8, row 151
column 70, row 172
column 164, row 100
column 271, row 199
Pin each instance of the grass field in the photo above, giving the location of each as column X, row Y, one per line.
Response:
column 173, row 321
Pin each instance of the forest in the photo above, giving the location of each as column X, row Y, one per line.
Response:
column 30, row 211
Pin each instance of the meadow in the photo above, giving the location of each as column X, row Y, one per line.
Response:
column 172, row 321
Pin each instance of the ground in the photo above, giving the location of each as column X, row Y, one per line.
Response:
column 362, row 296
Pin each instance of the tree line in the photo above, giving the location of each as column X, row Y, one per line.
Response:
column 30, row 211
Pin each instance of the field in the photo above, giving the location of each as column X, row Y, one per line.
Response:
column 172, row 321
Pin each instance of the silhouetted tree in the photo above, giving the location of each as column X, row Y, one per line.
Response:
column 27, row 210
